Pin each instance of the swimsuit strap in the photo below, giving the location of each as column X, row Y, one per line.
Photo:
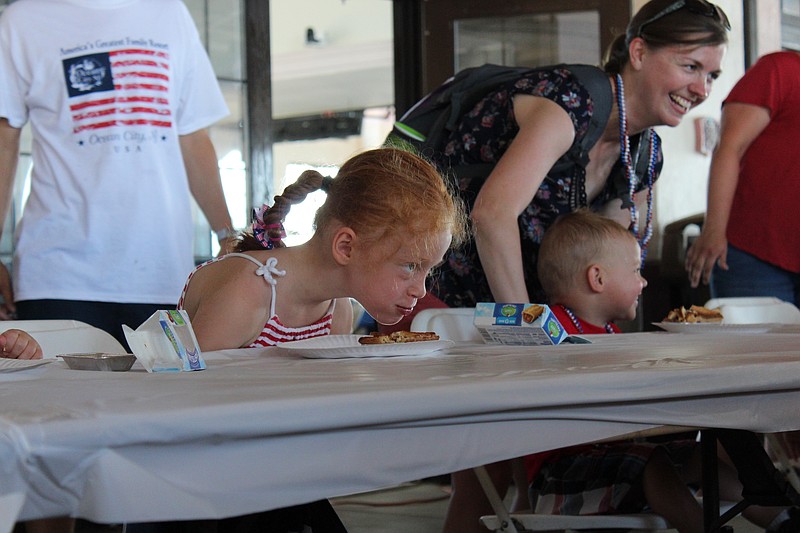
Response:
column 266, row 271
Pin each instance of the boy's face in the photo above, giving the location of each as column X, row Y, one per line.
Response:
column 625, row 282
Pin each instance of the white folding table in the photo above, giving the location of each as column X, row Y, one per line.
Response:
column 261, row 429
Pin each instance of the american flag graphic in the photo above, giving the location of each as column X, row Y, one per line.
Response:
column 119, row 88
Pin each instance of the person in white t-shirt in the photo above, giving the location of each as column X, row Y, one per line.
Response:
column 118, row 94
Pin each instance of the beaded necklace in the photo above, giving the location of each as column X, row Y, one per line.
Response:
column 625, row 157
column 577, row 323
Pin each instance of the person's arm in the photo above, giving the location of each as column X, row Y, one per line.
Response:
column 202, row 169
column 18, row 344
column 545, row 133
column 9, row 157
column 740, row 125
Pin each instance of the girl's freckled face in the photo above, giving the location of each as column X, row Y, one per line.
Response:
column 390, row 288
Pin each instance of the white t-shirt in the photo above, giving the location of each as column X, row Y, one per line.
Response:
column 108, row 86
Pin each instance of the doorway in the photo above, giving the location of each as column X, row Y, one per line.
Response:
column 456, row 34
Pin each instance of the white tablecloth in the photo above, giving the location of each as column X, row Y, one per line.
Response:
column 259, row 429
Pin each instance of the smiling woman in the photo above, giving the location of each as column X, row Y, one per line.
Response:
column 505, row 157
column 660, row 68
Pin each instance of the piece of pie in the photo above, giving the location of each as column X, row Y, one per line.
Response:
column 695, row 314
column 398, row 337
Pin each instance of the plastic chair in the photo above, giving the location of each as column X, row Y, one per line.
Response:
column 519, row 523
column 505, row 522
column 757, row 310
column 66, row 336
column 522, row 523
column 450, row 323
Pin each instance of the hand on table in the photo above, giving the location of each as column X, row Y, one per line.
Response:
column 18, row 344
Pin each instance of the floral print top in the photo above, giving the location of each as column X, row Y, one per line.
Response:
column 482, row 137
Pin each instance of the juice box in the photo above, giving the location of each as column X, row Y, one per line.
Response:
column 521, row 324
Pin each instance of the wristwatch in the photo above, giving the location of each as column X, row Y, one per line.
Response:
column 225, row 233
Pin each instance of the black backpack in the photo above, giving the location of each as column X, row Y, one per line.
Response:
column 431, row 120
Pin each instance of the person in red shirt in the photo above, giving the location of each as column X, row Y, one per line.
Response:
column 749, row 238
column 749, row 244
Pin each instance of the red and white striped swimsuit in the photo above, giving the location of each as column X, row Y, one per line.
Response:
column 274, row 332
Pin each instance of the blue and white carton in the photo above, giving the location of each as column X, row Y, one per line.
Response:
column 520, row 324
column 165, row 342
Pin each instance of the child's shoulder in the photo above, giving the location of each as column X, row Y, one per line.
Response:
column 241, row 260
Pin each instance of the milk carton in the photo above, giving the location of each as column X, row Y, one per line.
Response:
column 518, row 324
column 165, row 342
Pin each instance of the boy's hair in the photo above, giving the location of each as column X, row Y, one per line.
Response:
column 570, row 245
column 382, row 194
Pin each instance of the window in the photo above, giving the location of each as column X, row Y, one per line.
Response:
column 790, row 24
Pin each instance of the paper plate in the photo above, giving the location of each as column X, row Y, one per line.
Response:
column 705, row 327
column 10, row 365
column 344, row 346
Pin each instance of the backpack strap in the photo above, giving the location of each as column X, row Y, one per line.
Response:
column 595, row 80
column 640, row 161
column 460, row 94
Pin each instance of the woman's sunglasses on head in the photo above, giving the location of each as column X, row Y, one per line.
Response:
column 699, row 7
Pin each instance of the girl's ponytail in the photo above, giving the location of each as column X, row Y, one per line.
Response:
column 267, row 230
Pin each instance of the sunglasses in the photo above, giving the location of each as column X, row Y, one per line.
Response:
column 699, row 7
